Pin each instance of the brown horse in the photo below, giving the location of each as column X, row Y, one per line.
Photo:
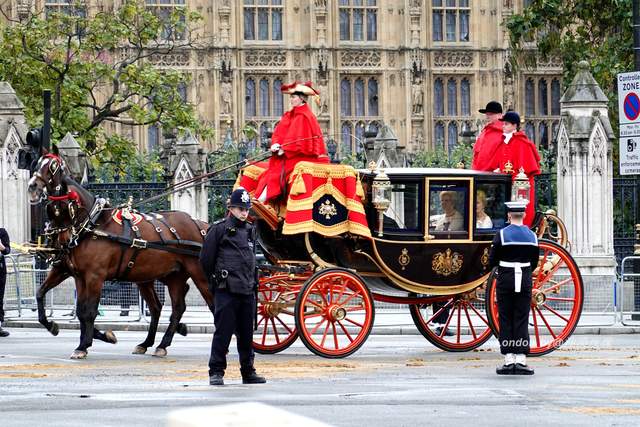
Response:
column 95, row 250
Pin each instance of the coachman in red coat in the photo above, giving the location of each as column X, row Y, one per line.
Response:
column 296, row 138
column 489, row 139
column 515, row 152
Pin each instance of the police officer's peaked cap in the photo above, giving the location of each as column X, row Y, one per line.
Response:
column 492, row 107
column 517, row 206
column 511, row 117
column 240, row 198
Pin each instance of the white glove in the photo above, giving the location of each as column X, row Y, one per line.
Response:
column 497, row 170
column 275, row 148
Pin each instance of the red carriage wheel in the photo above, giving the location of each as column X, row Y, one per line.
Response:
column 276, row 325
column 556, row 300
column 334, row 313
column 466, row 326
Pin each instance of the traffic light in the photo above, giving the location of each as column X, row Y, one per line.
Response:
column 30, row 153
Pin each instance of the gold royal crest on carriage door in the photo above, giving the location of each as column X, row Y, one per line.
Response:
column 446, row 263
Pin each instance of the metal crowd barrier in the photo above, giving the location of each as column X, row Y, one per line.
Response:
column 629, row 291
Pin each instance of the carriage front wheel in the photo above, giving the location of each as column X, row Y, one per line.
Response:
column 334, row 313
column 556, row 300
column 276, row 326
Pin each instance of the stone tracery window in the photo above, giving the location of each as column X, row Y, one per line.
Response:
column 450, row 20
column 264, row 104
column 358, row 20
column 163, row 10
column 262, row 19
column 359, row 111
column 541, row 108
column 451, row 109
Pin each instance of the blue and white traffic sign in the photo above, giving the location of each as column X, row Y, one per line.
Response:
column 629, row 117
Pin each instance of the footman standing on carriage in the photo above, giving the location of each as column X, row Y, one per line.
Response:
column 515, row 252
column 229, row 261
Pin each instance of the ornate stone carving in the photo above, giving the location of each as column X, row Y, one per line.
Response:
column 564, row 151
column 324, row 97
column 9, row 155
column 597, row 150
column 453, row 59
column 265, row 58
column 180, row 59
column 417, row 97
column 550, row 62
column 321, row 4
column 391, row 59
column 360, row 58
column 297, row 59
column 418, row 138
column 483, row 59
column 226, row 97
column 23, row 9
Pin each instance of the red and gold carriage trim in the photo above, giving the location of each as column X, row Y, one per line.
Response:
column 345, row 239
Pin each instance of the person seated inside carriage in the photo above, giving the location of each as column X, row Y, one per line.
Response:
column 451, row 219
column 297, row 137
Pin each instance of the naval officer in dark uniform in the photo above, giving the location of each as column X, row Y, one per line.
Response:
column 229, row 261
column 515, row 252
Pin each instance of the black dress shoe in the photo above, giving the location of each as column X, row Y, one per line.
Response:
column 253, row 378
column 506, row 369
column 216, row 379
column 4, row 333
column 521, row 369
column 447, row 332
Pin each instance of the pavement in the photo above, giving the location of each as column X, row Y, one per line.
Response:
column 390, row 381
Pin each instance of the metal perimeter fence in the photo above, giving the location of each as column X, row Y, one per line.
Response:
column 607, row 301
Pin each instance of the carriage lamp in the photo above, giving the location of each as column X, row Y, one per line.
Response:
column 521, row 187
column 381, row 196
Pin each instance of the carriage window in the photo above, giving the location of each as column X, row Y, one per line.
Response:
column 490, row 212
column 404, row 210
column 448, row 213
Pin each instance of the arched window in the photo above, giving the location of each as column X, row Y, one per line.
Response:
column 555, row 97
column 452, row 136
column 543, row 100
column 153, row 137
column 346, row 138
column 353, row 14
column 278, row 108
column 373, row 97
column 544, row 135
column 264, row 97
column 452, row 97
column 530, row 130
column 182, row 91
column 264, row 128
column 438, row 98
column 529, row 98
column 359, row 90
column 438, row 135
column 250, row 98
column 262, row 18
column 345, row 97
column 465, row 97
column 359, row 137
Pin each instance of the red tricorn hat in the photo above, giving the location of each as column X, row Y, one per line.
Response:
column 305, row 88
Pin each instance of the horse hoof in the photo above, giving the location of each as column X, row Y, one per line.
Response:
column 182, row 329
column 160, row 352
column 54, row 329
column 78, row 354
column 111, row 337
column 139, row 350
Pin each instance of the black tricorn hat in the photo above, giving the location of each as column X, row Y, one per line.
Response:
column 492, row 107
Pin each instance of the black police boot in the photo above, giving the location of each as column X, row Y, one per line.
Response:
column 4, row 333
column 252, row 378
column 521, row 369
column 506, row 369
column 216, row 379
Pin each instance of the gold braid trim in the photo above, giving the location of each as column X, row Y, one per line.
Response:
column 332, row 230
column 323, row 170
column 252, row 171
column 325, row 189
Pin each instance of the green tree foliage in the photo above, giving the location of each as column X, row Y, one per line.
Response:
column 99, row 65
column 438, row 158
column 598, row 31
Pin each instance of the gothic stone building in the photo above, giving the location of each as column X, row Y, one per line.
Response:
column 423, row 67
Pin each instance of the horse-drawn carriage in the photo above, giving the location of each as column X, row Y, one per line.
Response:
column 346, row 239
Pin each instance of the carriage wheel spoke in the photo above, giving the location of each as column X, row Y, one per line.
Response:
column 557, row 285
column 264, row 331
column 535, row 328
column 439, row 311
column 335, row 335
column 446, row 325
column 473, row 330
column 275, row 330
column 347, row 334
column 458, row 328
column 546, row 323
column 355, row 308
column 486, row 322
column 312, row 302
column 561, row 299
column 554, row 312
column 324, row 335
column 540, row 265
column 349, row 298
column 284, row 325
column 353, row 322
column 313, row 331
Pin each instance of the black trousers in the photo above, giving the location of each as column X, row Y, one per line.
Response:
column 3, row 282
column 233, row 313
column 513, row 312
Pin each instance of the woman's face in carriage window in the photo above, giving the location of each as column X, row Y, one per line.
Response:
column 239, row 213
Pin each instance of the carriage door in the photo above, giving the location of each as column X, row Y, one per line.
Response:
column 449, row 209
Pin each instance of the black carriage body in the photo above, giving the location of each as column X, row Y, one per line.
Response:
column 415, row 252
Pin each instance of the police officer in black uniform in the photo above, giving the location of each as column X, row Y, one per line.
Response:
column 515, row 252
column 5, row 248
column 229, row 261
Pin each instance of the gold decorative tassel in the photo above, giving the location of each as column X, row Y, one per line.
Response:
column 359, row 189
column 298, row 186
column 237, row 183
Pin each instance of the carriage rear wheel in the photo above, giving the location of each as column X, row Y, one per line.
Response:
column 334, row 313
column 457, row 323
column 276, row 325
column 556, row 300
